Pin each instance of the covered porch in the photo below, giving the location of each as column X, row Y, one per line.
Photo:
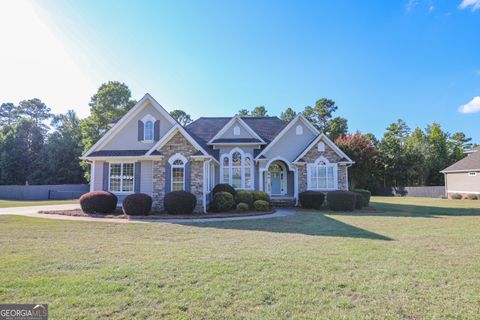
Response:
column 279, row 178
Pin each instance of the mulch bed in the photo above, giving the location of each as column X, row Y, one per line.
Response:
column 118, row 214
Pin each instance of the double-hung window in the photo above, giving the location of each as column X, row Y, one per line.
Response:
column 178, row 175
column 148, row 131
column 121, row 177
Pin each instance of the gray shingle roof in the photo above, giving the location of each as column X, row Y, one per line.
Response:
column 470, row 162
column 238, row 140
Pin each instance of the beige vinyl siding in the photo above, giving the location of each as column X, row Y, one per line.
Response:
column 461, row 182
column 127, row 137
column 146, row 176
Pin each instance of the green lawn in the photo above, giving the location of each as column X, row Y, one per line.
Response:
column 13, row 203
column 394, row 263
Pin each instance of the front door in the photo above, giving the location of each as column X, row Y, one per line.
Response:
column 276, row 182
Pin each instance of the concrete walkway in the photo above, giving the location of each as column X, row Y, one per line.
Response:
column 33, row 212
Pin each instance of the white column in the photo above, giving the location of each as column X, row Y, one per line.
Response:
column 260, row 179
column 92, row 176
column 295, row 184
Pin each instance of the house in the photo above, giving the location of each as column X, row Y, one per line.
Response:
column 148, row 151
column 463, row 176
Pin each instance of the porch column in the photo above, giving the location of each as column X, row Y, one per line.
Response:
column 295, row 185
column 260, row 179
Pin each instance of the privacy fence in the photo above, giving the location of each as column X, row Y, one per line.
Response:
column 427, row 191
column 43, row 192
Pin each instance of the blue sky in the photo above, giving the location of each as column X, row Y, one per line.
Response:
column 418, row 60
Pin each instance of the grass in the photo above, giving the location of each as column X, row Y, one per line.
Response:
column 15, row 203
column 390, row 264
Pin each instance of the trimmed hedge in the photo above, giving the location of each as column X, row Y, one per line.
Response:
column 137, row 204
column 242, row 206
column 224, row 187
column 472, row 196
column 366, row 195
column 260, row 195
column 359, row 200
column 222, row 201
column 261, row 205
column 311, row 199
column 245, row 197
column 341, row 200
column 179, row 202
column 456, row 196
column 102, row 202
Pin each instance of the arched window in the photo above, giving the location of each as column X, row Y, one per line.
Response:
column 148, row 131
column 177, row 171
column 322, row 175
column 237, row 169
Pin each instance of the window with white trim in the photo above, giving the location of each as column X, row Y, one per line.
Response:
column 177, row 172
column 322, row 175
column 237, row 169
column 121, row 177
column 148, row 131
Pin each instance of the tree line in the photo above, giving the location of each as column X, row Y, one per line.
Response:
column 38, row 147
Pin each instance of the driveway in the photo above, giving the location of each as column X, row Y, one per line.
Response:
column 33, row 212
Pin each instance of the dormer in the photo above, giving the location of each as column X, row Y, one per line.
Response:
column 236, row 131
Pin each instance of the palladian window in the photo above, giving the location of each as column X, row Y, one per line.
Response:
column 322, row 175
column 237, row 169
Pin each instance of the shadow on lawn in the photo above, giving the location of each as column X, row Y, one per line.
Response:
column 409, row 210
column 313, row 224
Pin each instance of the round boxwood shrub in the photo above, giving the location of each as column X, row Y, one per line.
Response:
column 242, row 206
column 98, row 202
column 224, row 187
column 179, row 202
column 456, row 196
column 245, row 197
column 261, row 205
column 222, row 201
column 137, row 204
column 366, row 195
column 311, row 199
column 472, row 196
column 341, row 200
column 260, row 195
column 359, row 200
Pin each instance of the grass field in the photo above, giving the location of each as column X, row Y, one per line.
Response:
column 411, row 259
column 13, row 203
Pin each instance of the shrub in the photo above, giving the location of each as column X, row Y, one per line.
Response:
column 224, row 187
column 137, row 204
column 311, row 199
column 245, row 197
column 261, row 205
column 341, row 200
column 456, row 196
column 98, row 202
column 472, row 196
column 260, row 195
column 179, row 202
column 222, row 201
column 359, row 200
column 242, row 206
column 366, row 195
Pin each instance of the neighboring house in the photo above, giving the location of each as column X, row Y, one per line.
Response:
column 148, row 151
column 464, row 176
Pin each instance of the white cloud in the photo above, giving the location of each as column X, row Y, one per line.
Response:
column 411, row 4
column 475, row 4
column 471, row 107
column 34, row 62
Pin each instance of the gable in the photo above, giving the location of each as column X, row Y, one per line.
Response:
column 235, row 131
column 322, row 147
column 178, row 144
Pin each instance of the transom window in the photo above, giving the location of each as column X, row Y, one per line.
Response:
column 322, row 175
column 177, row 163
column 237, row 169
column 148, row 131
column 121, row 177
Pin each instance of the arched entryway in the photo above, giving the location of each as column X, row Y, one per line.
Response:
column 277, row 178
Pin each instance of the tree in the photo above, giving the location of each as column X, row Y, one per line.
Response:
column 364, row 153
column 243, row 113
column 288, row 115
column 321, row 116
column 437, row 154
column 259, row 111
column 372, row 138
column 416, row 147
column 181, row 116
column 34, row 110
column 8, row 114
column 458, row 143
column 336, row 127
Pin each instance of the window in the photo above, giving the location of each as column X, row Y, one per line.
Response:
column 237, row 169
column 321, row 146
column 472, row 174
column 121, row 177
column 299, row 130
column 236, row 131
column 322, row 175
column 177, row 163
column 148, row 131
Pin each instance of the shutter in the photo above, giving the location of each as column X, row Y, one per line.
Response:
column 106, row 168
column 156, row 130
column 187, row 176
column 168, row 177
column 138, row 166
column 140, row 130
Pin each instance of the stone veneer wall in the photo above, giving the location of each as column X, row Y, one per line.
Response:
column 177, row 144
column 312, row 155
